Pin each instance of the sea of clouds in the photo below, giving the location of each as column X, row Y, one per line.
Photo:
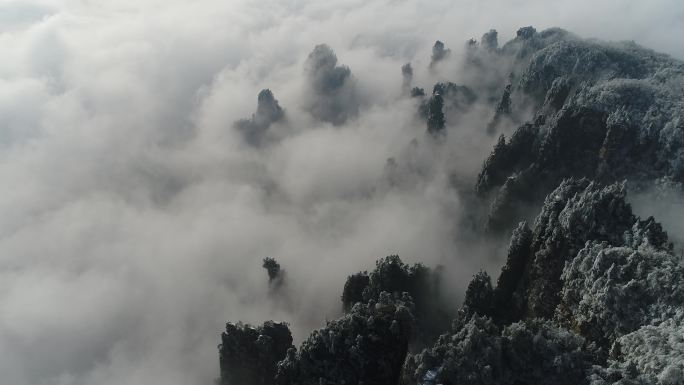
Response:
column 134, row 216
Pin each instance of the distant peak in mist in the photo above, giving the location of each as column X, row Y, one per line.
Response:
column 333, row 98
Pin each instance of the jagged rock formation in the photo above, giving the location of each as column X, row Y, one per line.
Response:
column 268, row 112
column 332, row 96
column 607, row 111
column 249, row 355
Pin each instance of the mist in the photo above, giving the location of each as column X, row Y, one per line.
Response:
column 135, row 215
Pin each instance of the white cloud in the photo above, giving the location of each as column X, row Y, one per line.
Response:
column 134, row 219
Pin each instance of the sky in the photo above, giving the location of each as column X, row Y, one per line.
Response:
column 134, row 216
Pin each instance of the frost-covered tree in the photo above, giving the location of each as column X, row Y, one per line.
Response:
column 433, row 310
column 478, row 352
column 249, row 355
column 353, row 289
column 367, row 345
column 609, row 292
column 479, row 295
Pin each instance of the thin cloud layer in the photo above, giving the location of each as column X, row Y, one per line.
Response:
column 135, row 218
